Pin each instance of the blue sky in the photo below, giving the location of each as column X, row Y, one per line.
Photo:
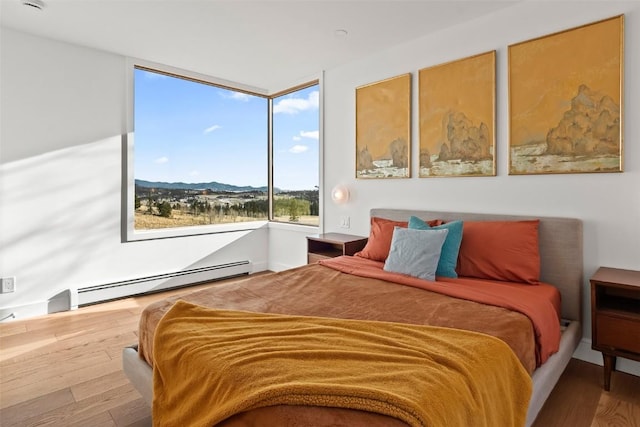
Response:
column 190, row 132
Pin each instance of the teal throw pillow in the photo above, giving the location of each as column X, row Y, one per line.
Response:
column 450, row 248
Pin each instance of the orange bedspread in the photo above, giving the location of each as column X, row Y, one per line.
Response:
column 540, row 306
column 229, row 362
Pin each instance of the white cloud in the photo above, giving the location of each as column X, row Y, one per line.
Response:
column 240, row 96
column 212, row 128
column 161, row 160
column 296, row 105
column 297, row 138
column 313, row 134
column 297, row 149
column 194, row 173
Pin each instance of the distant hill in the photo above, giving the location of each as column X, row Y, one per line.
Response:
column 213, row 186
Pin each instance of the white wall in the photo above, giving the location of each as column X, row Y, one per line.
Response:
column 288, row 245
column 63, row 111
column 609, row 204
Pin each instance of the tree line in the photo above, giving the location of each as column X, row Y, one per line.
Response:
column 291, row 204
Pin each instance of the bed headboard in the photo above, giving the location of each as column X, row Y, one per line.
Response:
column 560, row 242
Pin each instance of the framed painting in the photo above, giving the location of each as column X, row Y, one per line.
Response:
column 383, row 128
column 565, row 101
column 457, row 117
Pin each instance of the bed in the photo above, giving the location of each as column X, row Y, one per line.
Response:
column 361, row 294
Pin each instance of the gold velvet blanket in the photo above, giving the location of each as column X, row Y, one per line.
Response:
column 217, row 363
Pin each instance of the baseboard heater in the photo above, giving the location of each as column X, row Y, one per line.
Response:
column 149, row 284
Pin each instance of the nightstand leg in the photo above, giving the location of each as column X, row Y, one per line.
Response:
column 609, row 366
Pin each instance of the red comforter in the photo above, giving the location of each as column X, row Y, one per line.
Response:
column 540, row 303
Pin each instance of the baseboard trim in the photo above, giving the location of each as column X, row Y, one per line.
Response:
column 259, row 266
column 59, row 302
column 279, row 266
column 584, row 352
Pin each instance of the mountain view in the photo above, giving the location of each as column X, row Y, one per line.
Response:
column 166, row 205
column 213, row 186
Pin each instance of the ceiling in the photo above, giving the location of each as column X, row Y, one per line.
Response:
column 269, row 45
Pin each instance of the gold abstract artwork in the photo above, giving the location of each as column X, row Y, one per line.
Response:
column 383, row 134
column 565, row 101
column 457, row 117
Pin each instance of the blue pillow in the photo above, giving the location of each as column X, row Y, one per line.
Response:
column 450, row 248
column 415, row 252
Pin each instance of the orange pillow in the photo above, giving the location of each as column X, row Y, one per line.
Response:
column 500, row 250
column 379, row 243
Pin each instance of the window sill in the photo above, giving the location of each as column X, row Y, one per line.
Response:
column 313, row 229
column 134, row 236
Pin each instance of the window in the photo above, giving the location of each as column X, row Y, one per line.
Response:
column 201, row 155
column 295, row 156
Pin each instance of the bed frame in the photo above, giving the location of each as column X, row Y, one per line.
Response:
column 560, row 241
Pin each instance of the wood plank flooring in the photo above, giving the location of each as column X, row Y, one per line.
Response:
column 64, row 369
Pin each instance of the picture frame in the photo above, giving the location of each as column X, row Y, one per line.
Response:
column 457, row 117
column 566, row 101
column 383, row 129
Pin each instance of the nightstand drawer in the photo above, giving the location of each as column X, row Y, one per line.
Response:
column 618, row 333
column 615, row 316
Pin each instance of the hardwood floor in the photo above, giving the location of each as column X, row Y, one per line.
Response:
column 64, row 369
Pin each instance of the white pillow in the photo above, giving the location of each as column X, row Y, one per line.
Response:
column 415, row 252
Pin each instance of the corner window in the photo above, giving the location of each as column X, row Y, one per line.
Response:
column 200, row 156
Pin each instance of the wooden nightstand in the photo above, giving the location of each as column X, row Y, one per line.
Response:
column 330, row 245
column 615, row 316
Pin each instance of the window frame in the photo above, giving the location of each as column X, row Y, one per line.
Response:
column 128, row 231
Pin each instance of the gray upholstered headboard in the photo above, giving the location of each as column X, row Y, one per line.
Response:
column 560, row 241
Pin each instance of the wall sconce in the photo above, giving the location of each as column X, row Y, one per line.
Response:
column 340, row 194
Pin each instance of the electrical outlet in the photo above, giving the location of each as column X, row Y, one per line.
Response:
column 345, row 222
column 8, row 284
